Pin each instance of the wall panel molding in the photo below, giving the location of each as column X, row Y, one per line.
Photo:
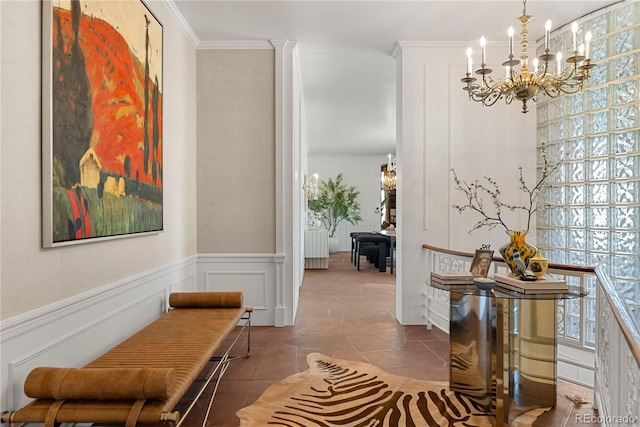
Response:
column 256, row 275
column 52, row 312
column 252, row 283
column 72, row 332
column 426, row 150
column 617, row 373
column 240, row 258
column 56, row 351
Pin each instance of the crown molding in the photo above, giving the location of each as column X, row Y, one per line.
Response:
column 236, row 44
column 182, row 23
column 229, row 44
column 403, row 45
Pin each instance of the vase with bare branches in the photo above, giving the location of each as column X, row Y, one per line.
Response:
column 484, row 198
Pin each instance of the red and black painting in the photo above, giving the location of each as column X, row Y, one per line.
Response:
column 102, row 120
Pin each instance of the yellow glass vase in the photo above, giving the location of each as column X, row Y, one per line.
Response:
column 517, row 242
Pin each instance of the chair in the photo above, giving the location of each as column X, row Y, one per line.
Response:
column 372, row 252
column 374, row 246
column 392, row 247
column 354, row 246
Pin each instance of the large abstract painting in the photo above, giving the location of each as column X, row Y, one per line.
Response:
column 102, row 120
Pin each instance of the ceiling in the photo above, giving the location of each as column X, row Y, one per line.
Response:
column 345, row 50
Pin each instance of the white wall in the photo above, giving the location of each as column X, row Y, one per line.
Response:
column 438, row 129
column 300, row 168
column 288, row 182
column 362, row 172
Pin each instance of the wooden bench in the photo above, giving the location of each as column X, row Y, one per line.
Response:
column 141, row 380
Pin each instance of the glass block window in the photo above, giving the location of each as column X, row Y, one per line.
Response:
column 597, row 193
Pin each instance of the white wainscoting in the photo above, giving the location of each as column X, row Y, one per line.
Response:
column 72, row 332
column 617, row 391
column 437, row 308
column 253, row 274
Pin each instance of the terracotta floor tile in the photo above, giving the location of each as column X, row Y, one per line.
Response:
column 319, row 343
column 440, row 348
column 278, row 361
column 394, row 358
column 431, row 371
column 349, row 314
column 252, row 386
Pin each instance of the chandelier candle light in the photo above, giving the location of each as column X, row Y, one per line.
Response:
column 527, row 84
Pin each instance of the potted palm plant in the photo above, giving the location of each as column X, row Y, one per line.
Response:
column 336, row 202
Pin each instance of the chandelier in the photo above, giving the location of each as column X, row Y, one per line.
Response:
column 528, row 83
column 388, row 178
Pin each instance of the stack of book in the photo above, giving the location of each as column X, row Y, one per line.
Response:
column 546, row 285
column 453, row 278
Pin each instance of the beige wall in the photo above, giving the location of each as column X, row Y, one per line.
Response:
column 236, row 151
column 32, row 277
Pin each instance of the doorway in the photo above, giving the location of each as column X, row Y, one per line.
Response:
column 388, row 196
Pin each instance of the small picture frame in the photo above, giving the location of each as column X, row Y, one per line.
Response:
column 481, row 262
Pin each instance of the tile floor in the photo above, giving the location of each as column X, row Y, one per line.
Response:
column 349, row 314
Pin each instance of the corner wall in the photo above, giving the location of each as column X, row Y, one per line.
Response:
column 236, row 151
column 438, row 129
column 237, row 176
column 250, row 137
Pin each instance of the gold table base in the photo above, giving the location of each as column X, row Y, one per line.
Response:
column 503, row 352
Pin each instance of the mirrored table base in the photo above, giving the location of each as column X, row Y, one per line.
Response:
column 503, row 352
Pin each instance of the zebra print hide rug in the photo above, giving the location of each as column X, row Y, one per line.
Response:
column 334, row 392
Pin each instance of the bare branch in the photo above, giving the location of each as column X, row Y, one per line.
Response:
column 475, row 192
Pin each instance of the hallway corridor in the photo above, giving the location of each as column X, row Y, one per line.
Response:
column 349, row 314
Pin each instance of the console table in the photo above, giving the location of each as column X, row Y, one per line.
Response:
column 503, row 347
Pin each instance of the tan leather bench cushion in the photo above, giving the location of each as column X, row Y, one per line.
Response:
column 206, row 299
column 184, row 339
column 115, row 383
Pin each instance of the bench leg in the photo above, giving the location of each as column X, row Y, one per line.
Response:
column 220, row 368
column 6, row 417
column 225, row 365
